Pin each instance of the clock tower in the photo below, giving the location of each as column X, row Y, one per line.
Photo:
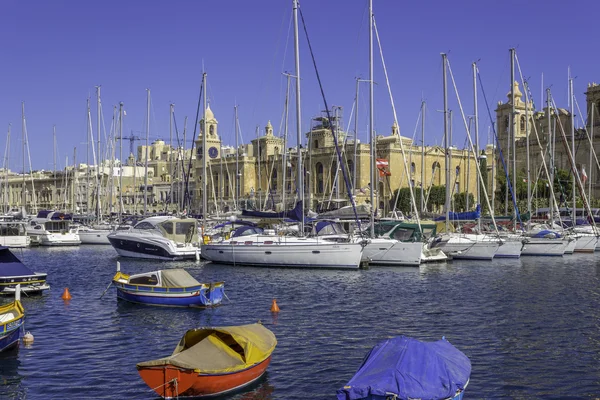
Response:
column 213, row 143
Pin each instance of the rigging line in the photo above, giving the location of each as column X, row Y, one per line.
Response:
column 196, row 123
column 337, row 149
column 406, row 170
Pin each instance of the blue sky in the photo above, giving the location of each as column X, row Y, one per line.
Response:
column 55, row 53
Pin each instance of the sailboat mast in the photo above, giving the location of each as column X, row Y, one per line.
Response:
column 171, row 151
column 147, row 144
column 23, row 195
column 121, row 163
column 591, row 151
column 551, row 139
column 446, row 146
column 88, row 172
column 54, row 156
column 99, row 161
column 422, row 156
column 203, row 155
column 574, row 212
column 372, row 165
column 258, row 189
column 355, row 139
column 237, row 156
column 476, row 126
column 513, row 135
column 6, row 164
column 299, row 169
column 285, row 135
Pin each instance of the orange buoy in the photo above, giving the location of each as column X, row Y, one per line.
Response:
column 66, row 295
column 274, row 306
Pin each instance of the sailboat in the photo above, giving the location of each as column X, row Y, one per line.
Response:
column 396, row 247
column 269, row 249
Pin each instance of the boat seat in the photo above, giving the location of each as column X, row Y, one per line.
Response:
column 6, row 317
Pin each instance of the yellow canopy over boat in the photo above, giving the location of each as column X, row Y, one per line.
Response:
column 220, row 349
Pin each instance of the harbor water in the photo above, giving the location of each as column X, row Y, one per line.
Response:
column 531, row 327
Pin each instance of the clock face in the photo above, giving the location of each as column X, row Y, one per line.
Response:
column 213, row 152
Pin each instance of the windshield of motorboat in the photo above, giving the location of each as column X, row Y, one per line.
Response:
column 180, row 231
column 57, row 226
column 12, row 229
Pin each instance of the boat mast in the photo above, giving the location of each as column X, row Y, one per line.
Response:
column 23, row 195
column 237, row 157
column 54, row 157
column 299, row 169
column 6, row 164
column 258, row 189
column 121, row 163
column 446, row 146
column 203, row 155
column 99, row 173
column 551, row 139
column 574, row 212
column 147, row 144
column 591, row 151
column 476, row 125
column 88, row 172
column 171, row 151
column 285, row 135
column 422, row 156
column 372, row 139
column 513, row 137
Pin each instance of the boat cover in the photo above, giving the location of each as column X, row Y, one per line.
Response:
column 462, row 216
column 220, row 349
column 177, row 277
column 409, row 369
column 295, row 214
column 10, row 265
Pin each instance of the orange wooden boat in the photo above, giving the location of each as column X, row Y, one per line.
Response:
column 210, row 361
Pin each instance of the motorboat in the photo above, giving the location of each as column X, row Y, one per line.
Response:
column 405, row 368
column 169, row 287
column 211, row 361
column 158, row 237
column 53, row 228
column 13, row 272
column 94, row 235
column 12, row 320
column 14, row 234
column 253, row 246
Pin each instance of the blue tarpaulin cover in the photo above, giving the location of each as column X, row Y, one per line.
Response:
column 462, row 216
column 295, row 214
column 10, row 265
column 410, row 369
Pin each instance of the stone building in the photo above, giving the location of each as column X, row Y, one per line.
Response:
column 540, row 140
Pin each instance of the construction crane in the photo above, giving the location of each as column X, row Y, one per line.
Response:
column 132, row 138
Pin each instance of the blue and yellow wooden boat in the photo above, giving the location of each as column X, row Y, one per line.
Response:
column 169, row 287
column 12, row 319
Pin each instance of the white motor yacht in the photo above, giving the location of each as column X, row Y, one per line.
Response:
column 53, row 228
column 160, row 237
column 14, row 234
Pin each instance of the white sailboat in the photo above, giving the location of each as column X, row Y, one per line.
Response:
column 282, row 251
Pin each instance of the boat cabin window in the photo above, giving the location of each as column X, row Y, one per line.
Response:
column 182, row 228
column 168, row 227
column 57, row 226
column 12, row 230
column 402, row 234
column 144, row 280
column 144, row 225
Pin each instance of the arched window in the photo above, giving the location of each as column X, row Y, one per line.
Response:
column 276, row 150
column 319, row 180
column 413, row 168
column 457, row 170
column 522, row 122
column 211, row 129
column 316, row 145
column 506, row 123
column 226, row 188
column 274, row 180
column 436, row 173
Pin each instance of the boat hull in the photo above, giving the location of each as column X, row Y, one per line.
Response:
column 282, row 254
column 465, row 249
column 393, row 252
column 544, row 247
column 586, row 244
column 30, row 284
column 172, row 382
column 94, row 237
column 198, row 296
column 130, row 247
column 57, row 239
column 509, row 249
column 15, row 241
